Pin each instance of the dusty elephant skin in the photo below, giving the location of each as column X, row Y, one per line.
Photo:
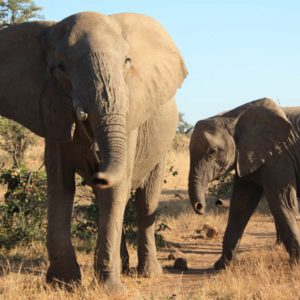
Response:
column 119, row 73
column 261, row 142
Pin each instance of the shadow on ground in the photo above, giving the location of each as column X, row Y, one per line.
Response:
column 21, row 264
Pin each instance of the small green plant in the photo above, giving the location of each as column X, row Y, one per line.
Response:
column 130, row 219
column 85, row 225
column 23, row 212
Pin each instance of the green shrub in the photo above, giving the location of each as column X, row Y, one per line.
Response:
column 23, row 211
column 221, row 187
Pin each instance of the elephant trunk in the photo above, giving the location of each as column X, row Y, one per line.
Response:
column 197, row 195
column 224, row 203
column 200, row 175
column 110, row 133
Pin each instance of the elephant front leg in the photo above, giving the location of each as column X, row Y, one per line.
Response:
column 147, row 199
column 245, row 198
column 295, row 207
column 111, row 204
column 283, row 205
column 61, row 188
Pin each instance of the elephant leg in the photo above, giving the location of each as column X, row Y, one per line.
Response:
column 282, row 203
column 111, row 204
column 295, row 207
column 245, row 198
column 147, row 198
column 61, row 188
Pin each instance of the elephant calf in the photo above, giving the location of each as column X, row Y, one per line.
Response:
column 261, row 142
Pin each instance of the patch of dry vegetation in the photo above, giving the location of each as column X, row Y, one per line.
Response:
column 261, row 271
column 261, row 274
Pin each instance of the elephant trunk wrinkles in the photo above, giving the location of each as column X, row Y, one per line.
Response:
column 110, row 135
column 197, row 196
column 106, row 109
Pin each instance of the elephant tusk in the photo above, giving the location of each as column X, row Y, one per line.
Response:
column 81, row 114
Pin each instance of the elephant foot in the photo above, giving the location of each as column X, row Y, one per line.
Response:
column 150, row 268
column 114, row 287
column 63, row 274
column 221, row 264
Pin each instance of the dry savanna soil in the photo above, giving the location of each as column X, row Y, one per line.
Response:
column 261, row 271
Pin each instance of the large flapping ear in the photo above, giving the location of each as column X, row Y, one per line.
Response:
column 28, row 94
column 260, row 132
column 157, row 68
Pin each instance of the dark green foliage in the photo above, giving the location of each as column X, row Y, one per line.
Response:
column 18, row 11
column 23, row 212
column 222, row 187
column 130, row 222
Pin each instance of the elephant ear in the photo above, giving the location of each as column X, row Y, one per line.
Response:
column 157, row 69
column 28, row 95
column 260, row 132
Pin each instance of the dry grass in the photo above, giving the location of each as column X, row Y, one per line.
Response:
column 262, row 270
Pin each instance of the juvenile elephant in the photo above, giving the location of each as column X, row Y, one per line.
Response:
column 100, row 89
column 261, row 142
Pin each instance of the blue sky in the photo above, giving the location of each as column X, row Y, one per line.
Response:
column 235, row 51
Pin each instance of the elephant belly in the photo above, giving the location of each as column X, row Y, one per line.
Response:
column 154, row 140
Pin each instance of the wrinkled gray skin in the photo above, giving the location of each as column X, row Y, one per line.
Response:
column 261, row 142
column 123, row 71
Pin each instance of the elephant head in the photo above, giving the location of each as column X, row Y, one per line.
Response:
column 243, row 139
column 111, row 71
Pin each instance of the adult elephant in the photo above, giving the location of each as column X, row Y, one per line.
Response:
column 118, row 75
column 261, row 142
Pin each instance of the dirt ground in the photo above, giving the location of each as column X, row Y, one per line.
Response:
column 261, row 271
column 202, row 253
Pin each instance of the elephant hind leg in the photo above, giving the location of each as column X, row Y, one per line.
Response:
column 147, row 198
column 282, row 204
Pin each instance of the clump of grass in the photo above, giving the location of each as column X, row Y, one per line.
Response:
column 261, row 274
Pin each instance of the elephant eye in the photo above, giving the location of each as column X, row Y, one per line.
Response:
column 127, row 60
column 212, row 151
column 61, row 67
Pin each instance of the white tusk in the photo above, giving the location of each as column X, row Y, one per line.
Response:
column 81, row 114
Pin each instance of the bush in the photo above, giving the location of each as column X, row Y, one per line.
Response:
column 221, row 187
column 15, row 139
column 23, row 212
